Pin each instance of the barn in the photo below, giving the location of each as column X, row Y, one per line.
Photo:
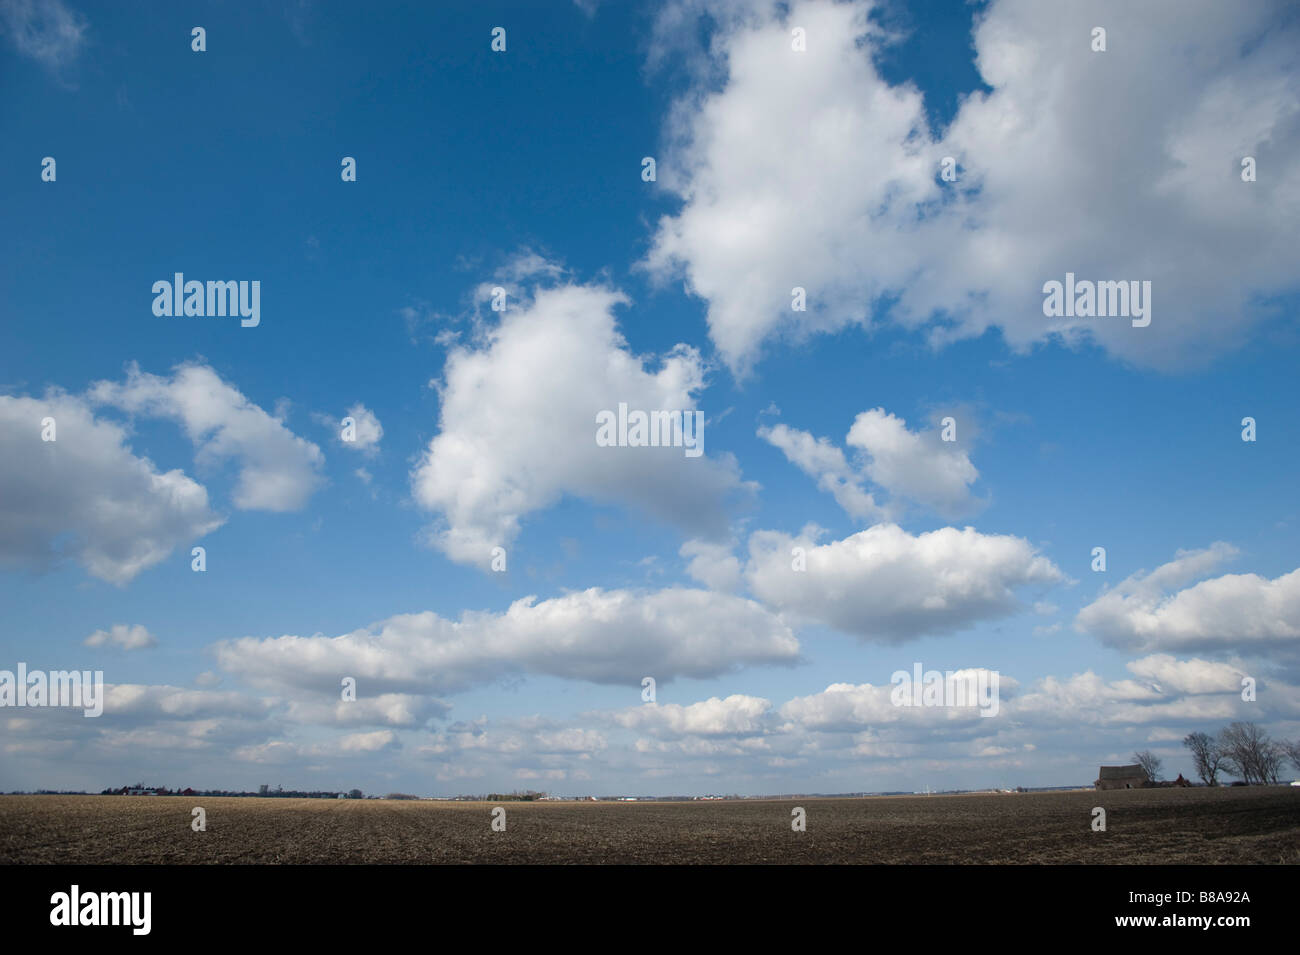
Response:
column 1122, row 777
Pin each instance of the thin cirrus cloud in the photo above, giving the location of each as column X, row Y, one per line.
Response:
column 796, row 168
column 47, row 31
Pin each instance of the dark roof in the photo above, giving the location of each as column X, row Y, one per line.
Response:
column 1121, row 772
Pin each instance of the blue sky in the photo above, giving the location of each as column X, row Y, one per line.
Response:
column 522, row 169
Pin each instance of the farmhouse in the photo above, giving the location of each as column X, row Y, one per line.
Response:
column 1122, row 777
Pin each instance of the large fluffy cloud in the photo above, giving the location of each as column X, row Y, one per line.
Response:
column 278, row 471
column 85, row 495
column 887, row 585
column 808, row 169
column 517, row 427
column 1242, row 612
column 597, row 635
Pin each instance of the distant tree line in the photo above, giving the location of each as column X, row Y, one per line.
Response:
column 526, row 795
column 1243, row 750
column 265, row 794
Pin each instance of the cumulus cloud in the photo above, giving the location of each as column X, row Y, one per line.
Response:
column 517, row 426
column 571, row 740
column 826, row 464
column 378, row 709
column 371, row 742
column 887, row 585
column 1231, row 612
column 915, row 466
column 1189, row 693
column 141, row 703
column 601, row 636
column 1191, row 677
column 122, row 637
column 839, row 733
column 287, row 752
column 278, row 471
column 366, row 429
column 737, row 714
column 86, row 496
column 809, row 169
column 845, row 707
column 1088, row 699
column 713, row 564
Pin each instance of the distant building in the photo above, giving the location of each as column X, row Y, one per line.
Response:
column 1122, row 777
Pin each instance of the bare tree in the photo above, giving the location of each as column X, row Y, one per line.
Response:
column 1292, row 750
column 1150, row 762
column 1249, row 754
column 1271, row 758
column 1205, row 755
column 1235, row 750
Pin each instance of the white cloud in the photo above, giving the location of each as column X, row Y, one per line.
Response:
column 713, row 565
column 288, row 752
column 826, row 464
column 517, row 428
column 1232, row 612
column 737, row 714
column 887, row 585
column 371, row 742
column 368, row 709
column 1087, row 699
column 367, row 429
column 44, row 30
column 278, row 471
column 146, row 703
column 86, row 496
column 122, row 637
column 845, row 706
column 1191, row 677
column 571, row 740
column 807, row 169
column 915, row 466
column 835, row 734
column 595, row 635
